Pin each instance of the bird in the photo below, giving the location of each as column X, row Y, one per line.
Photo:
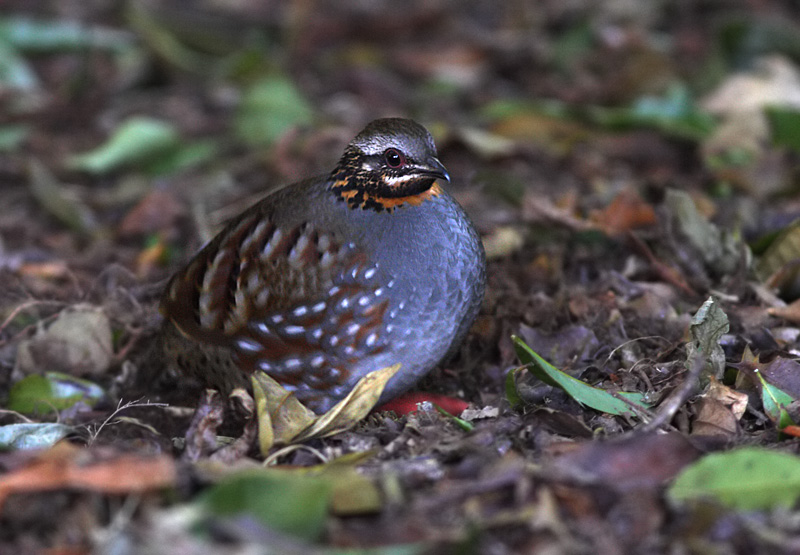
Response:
column 335, row 276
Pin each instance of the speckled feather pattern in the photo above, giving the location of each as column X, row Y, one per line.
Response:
column 317, row 292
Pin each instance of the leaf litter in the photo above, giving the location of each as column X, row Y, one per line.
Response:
column 640, row 238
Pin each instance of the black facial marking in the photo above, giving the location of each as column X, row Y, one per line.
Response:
column 364, row 187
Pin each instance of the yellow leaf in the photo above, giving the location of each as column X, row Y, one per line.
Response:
column 352, row 408
column 280, row 415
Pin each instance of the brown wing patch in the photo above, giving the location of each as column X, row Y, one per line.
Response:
column 295, row 303
column 252, row 267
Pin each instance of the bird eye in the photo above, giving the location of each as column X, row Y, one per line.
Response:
column 394, row 158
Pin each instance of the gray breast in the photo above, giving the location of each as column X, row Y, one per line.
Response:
column 431, row 261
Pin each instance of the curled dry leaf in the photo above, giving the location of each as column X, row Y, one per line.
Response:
column 350, row 410
column 713, row 419
column 283, row 419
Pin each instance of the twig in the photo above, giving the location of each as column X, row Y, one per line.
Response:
column 120, row 407
column 269, row 461
column 677, row 398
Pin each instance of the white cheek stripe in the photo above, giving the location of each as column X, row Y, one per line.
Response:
column 392, row 181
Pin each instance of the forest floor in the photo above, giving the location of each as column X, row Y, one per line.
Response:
column 620, row 161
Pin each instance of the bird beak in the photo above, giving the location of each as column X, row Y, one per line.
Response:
column 435, row 168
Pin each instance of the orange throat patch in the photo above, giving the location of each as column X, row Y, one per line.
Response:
column 369, row 200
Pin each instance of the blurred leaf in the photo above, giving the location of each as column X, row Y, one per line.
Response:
column 503, row 241
column 547, row 124
column 32, row 435
column 708, row 325
column 288, row 503
column 784, row 249
column 625, row 212
column 578, row 390
column 50, row 392
column 67, row 466
column 58, row 200
column 571, row 45
column 78, row 342
column 785, row 126
column 11, row 136
column 269, row 108
column 486, row 144
column 743, row 38
column 183, row 157
column 748, row 478
column 352, row 493
column 136, row 140
column 15, row 72
column 721, row 251
column 34, row 35
column 674, row 114
column 143, row 17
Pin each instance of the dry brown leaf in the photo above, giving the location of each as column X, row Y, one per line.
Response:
column 78, row 343
column 65, row 466
column 790, row 312
column 719, row 410
column 713, row 418
column 626, row 212
column 156, row 211
column 735, row 400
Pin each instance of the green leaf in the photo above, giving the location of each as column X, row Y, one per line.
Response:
column 748, row 478
column 578, row 390
column 721, row 251
column 673, row 114
column 775, row 401
column 59, row 200
column 53, row 391
column 708, row 325
column 182, row 158
column 460, row 422
column 352, row 492
column 34, row 35
column 32, row 435
column 573, row 44
column 137, row 140
column 782, row 251
column 270, row 108
column 15, row 72
column 785, row 125
column 296, row 505
column 11, row 136
column 512, row 395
